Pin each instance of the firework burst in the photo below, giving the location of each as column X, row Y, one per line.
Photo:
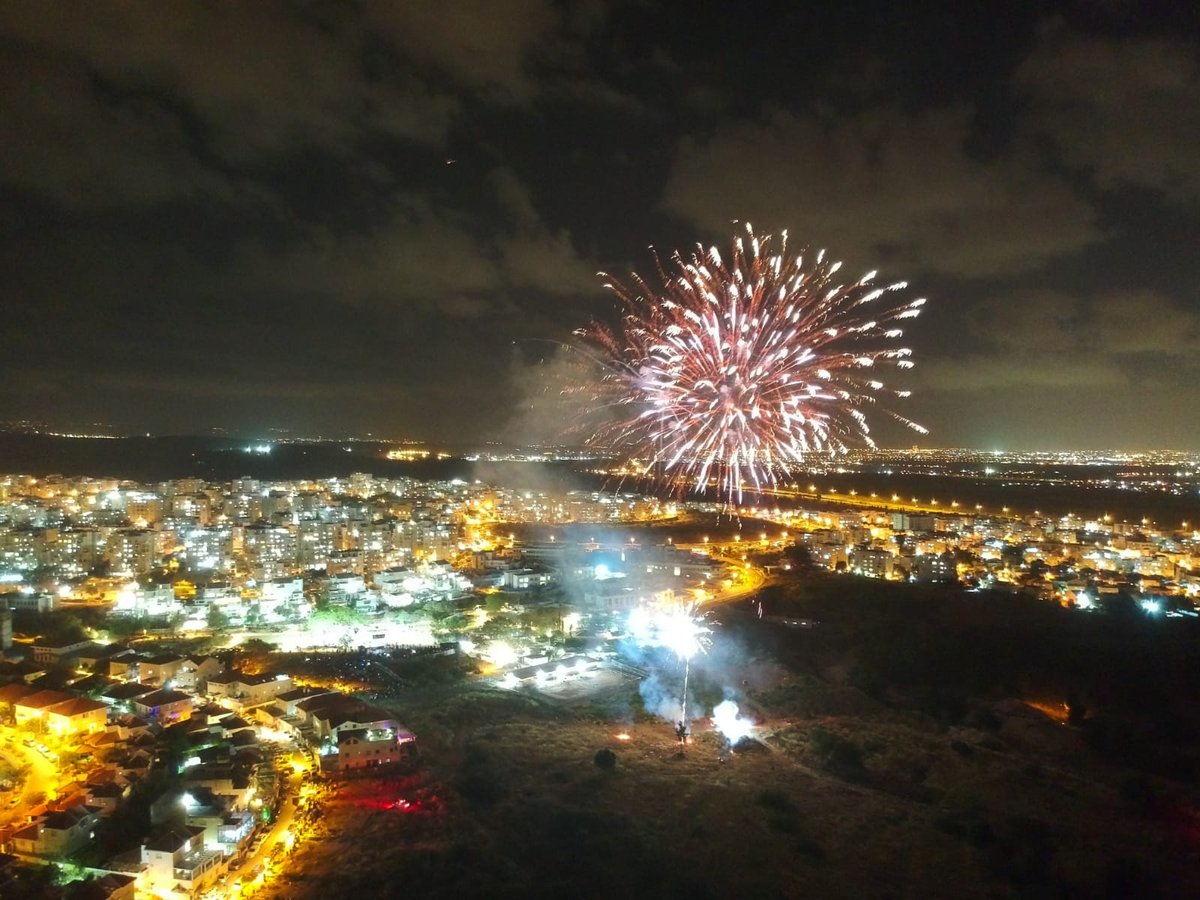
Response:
column 682, row 629
column 732, row 372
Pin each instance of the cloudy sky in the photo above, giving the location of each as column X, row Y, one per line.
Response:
column 380, row 216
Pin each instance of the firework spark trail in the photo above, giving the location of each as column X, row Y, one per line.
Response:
column 687, row 671
column 737, row 371
column 682, row 630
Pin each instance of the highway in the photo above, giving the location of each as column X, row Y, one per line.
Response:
column 867, row 501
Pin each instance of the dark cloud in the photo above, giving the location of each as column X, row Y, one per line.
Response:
column 1098, row 368
column 885, row 183
column 255, row 79
column 1125, row 111
column 386, row 216
column 497, row 53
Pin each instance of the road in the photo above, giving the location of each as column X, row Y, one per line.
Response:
column 749, row 581
column 274, row 835
column 41, row 779
column 835, row 498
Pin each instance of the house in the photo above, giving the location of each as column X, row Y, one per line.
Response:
column 248, row 690
column 22, row 670
column 110, row 886
column 334, row 722
column 11, row 693
column 60, row 713
column 121, row 696
column 363, row 748
column 552, row 672
column 233, row 782
column 95, row 658
column 106, row 796
column 54, row 652
column 286, row 704
column 56, row 835
column 525, row 579
column 177, row 865
column 326, row 714
column 30, row 707
column 91, row 685
column 76, row 716
column 125, row 666
column 164, row 706
column 283, row 713
column 132, row 763
column 130, row 727
column 161, row 668
column 224, row 828
column 193, row 675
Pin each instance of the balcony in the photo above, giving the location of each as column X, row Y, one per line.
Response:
column 195, row 864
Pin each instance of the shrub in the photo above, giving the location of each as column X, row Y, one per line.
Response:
column 838, row 755
column 776, row 800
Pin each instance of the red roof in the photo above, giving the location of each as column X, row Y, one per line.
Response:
column 76, row 706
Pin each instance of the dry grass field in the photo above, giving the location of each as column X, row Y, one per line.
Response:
column 840, row 797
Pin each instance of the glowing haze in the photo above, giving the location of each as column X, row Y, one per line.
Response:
column 731, row 372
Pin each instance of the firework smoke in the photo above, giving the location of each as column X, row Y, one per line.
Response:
column 735, row 371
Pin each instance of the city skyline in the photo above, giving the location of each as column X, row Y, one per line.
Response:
column 385, row 220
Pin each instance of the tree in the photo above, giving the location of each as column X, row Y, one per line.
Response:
column 799, row 556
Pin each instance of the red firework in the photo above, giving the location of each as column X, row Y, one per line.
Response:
column 733, row 373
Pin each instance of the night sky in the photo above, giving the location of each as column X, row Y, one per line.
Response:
column 378, row 217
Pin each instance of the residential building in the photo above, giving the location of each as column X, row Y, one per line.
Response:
column 163, row 706
column 177, row 864
column 56, row 835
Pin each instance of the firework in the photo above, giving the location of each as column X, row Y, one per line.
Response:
column 733, row 372
column 726, row 720
column 681, row 629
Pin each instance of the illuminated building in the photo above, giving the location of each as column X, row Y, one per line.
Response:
column 361, row 748
column 18, row 550
column 207, row 547
column 315, row 541
column 56, row 835
column 281, row 598
column 71, row 551
column 53, row 652
column 163, row 706
column 874, row 563
column 132, row 551
column 268, row 551
column 143, row 508
column 58, row 713
column 177, row 862
column 934, row 567
column 192, row 507
column 248, row 690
